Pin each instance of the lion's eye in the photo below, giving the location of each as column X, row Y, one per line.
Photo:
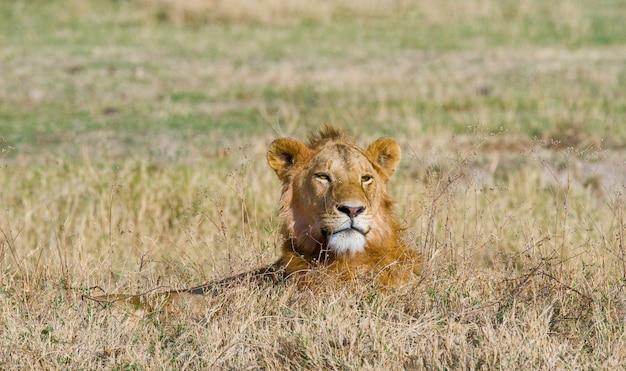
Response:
column 323, row 176
column 366, row 179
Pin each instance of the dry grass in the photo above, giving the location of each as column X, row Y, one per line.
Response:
column 522, row 272
column 132, row 159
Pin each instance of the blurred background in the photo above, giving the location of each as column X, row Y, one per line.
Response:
column 180, row 78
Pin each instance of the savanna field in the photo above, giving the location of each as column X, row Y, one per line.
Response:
column 132, row 159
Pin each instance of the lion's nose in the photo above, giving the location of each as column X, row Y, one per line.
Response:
column 351, row 211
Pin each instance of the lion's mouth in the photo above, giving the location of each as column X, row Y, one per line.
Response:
column 348, row 229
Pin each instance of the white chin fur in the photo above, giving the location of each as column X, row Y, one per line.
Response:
column 347, row 242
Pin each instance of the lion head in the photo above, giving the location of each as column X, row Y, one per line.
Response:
column 334, row 203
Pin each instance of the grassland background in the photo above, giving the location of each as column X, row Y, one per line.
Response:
column 132, row 153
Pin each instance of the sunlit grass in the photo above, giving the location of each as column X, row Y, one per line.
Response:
column 515, row 248
column 132, row 144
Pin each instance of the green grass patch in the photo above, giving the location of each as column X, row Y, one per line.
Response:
column 521, row 67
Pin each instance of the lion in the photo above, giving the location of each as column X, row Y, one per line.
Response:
column 337, row 217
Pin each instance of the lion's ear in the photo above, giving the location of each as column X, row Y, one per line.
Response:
column 386, row 153
column 284, row 154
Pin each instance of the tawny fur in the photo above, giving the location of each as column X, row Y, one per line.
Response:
column 305, row 248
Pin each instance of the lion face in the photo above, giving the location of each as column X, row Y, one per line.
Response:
column 342, row 189
column 334, row 193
